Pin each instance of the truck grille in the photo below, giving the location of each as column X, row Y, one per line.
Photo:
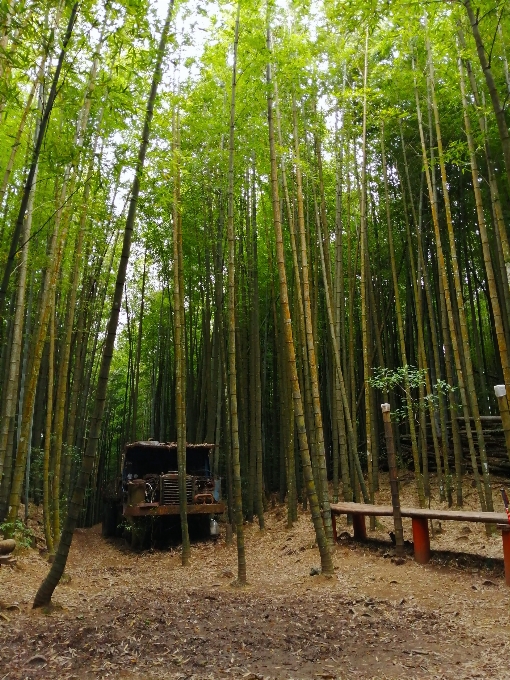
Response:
column 170, row 489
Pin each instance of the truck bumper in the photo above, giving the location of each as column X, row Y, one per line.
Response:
column 156, row 510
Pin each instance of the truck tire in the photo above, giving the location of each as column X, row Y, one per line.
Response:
column 110, row 519
column 137, row 533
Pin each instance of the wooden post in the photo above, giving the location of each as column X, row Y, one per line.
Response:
column 392, row 465
column 500, row 392
column 360, row 527
column 421, row 540
column 505, row 532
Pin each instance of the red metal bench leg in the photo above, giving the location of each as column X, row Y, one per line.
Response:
column 506, row 553
column 421, row 540
column 333, row 524
column 360, row 528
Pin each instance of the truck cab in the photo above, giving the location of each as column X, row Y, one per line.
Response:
column 149, row 486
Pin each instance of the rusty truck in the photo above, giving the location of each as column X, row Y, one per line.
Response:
column 145, row 497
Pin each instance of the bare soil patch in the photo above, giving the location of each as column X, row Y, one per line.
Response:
column 120, row 614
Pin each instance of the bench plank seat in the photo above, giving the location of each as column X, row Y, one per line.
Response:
column 420, row 517
column 427, row 513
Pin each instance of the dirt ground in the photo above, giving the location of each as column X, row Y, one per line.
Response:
column 124, row 615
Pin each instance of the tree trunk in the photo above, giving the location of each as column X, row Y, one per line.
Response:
column 364, row 288
column 322, row 540
column 46, row 589
column 136, row 367
column 401, row 337
column 310, row 344
column 496, row 310
column 35, row 157
column 446, row 302
column 232, row 373
column 499, row 110
column 49, row 532
column 180, row 356
column 464, row 345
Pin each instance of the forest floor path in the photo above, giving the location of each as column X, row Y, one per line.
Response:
column 125, row 615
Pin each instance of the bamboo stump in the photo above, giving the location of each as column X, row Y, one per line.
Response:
column 7, row 546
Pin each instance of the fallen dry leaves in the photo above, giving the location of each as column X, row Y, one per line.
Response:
column 120, row 614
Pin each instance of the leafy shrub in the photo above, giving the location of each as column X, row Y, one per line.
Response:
column 22, row 534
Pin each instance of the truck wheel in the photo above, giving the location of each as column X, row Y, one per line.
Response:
column 109, row 524
column 137, row 534
column 199, row 527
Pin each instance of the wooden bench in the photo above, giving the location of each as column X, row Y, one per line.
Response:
column 420, row 517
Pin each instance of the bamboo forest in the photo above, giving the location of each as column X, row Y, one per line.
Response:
column 254, row 339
